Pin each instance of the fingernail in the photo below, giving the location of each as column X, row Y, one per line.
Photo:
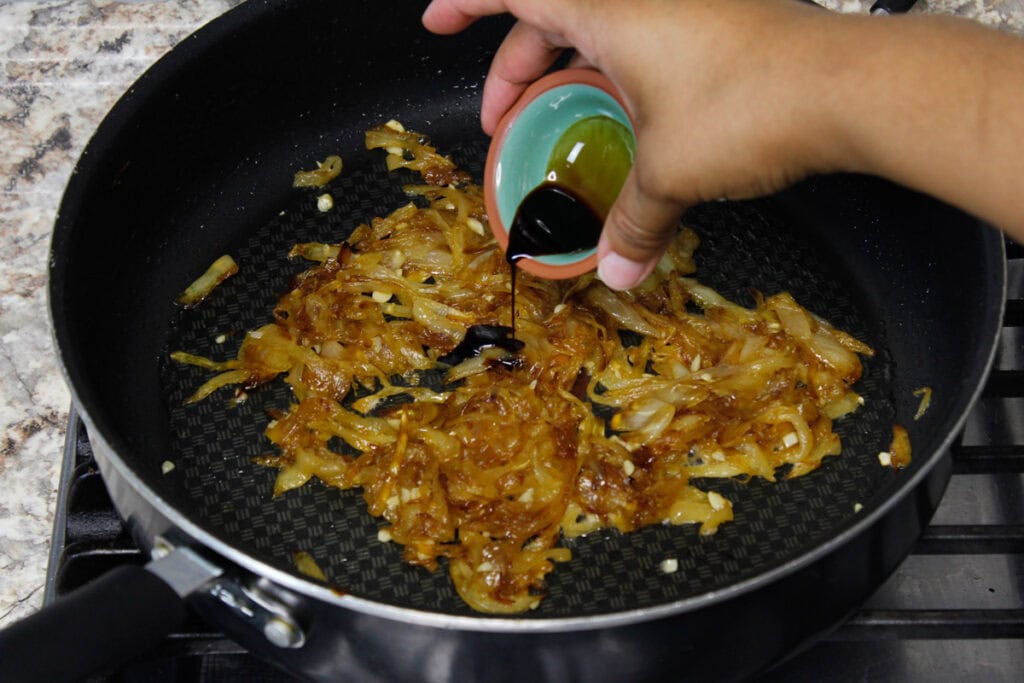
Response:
column 619, row 272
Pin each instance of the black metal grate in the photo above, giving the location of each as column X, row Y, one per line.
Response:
column 954, row 610
column 90, row 539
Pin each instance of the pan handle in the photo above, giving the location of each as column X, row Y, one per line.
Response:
column 110, row 620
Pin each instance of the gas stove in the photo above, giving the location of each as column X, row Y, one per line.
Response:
column 953, row 611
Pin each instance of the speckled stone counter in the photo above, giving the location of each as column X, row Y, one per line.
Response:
column 63, row 64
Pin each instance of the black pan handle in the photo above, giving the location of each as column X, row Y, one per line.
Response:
column 113, row 619
column 882, row 6
column 892, row 6
column 125, row 612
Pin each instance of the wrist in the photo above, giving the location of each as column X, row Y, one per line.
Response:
column 928, row 102
column 833, row 92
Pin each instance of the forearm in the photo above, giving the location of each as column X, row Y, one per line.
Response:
column 936, row 104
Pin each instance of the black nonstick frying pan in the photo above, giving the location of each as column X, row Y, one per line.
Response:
column 196, row 161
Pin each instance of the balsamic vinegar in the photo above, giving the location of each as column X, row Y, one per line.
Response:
column 551, row 220
column 565, row 214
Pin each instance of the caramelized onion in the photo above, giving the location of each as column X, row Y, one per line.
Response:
column 325, row 171
column 219, row 271
column 489, row 469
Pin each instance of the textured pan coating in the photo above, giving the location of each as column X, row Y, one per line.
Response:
column 745, row 247
column 189, row 165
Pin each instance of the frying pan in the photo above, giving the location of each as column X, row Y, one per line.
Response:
column 196, row 160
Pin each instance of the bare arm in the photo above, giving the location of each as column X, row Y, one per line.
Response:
column 737, row 98
column 948, row 111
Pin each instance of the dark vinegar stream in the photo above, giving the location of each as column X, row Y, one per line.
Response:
column 551, row 220
column 563, row 215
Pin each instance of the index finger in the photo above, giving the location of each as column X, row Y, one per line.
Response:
column 527, row 52
column 452, row 16
column 524, row 56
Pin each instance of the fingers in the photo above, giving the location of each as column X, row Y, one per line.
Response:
column 451, row 16
column 528, row 51
column 640, row 223
column 523, row 57
column 638, row 228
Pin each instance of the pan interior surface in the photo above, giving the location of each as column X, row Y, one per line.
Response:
column 744, row 247
column 197, row 162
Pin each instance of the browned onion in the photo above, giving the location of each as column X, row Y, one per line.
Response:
column 490, row 471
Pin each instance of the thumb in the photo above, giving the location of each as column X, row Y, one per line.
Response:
column 637, row 231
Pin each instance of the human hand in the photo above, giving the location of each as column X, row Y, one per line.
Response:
column 724, row 96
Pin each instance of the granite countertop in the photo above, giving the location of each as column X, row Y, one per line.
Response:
column 63, row 64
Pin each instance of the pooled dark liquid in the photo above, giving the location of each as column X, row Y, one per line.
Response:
column 480, row 337
column 550, row 220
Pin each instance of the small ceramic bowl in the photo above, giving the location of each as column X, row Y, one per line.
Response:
column 522, row 145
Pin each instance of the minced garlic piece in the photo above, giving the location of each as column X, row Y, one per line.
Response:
column 716, row 501
column 669, row 566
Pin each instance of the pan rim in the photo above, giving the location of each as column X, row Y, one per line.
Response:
column 104, row 447
column 112, row 444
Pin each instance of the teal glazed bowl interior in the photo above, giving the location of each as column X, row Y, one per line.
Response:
column 520, row 151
